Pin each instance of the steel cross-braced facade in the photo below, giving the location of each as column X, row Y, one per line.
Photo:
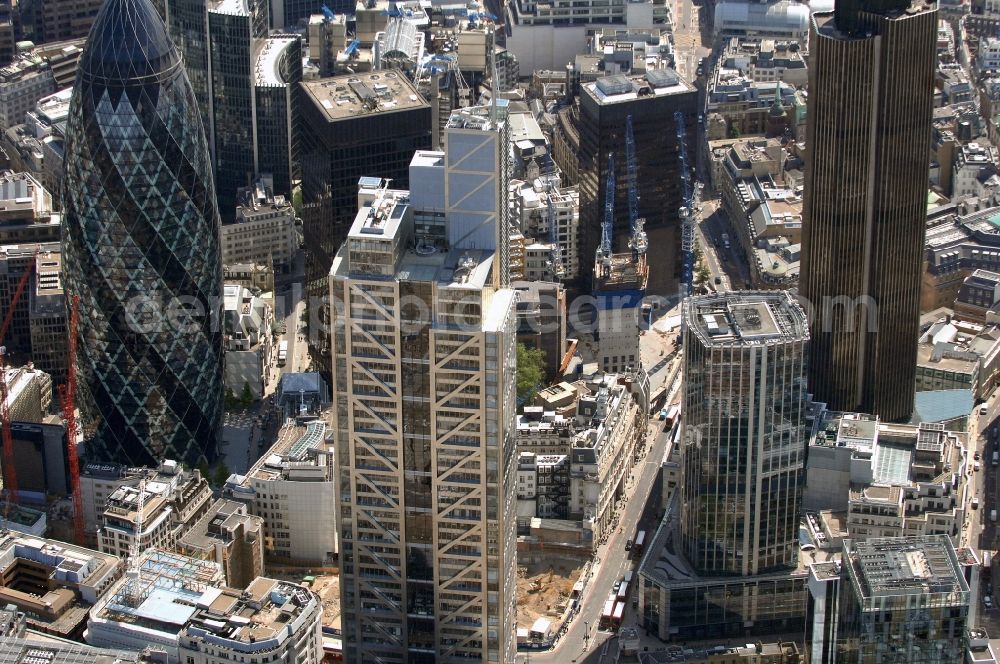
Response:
column 424, row 361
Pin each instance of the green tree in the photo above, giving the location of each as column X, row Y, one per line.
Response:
column 203, row 469
column 734, row 131
column 702, row 274
column 530, row 372
column 246, row 396
column 230, row 400
column 221, row 474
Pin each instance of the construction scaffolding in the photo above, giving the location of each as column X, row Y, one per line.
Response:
column 162, row 570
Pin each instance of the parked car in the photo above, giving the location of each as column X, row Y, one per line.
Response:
column 628, row 545
column 988, row 602
column 977, row 456
column 977, row 466
column 975, row 503
column 718, row 280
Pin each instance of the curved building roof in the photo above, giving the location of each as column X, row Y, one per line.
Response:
column 400, row 38
column 821, row 5
column 773, row 18
column 128, row 42
column 269, row 70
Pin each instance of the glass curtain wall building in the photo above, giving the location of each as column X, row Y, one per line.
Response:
column 141, row 246
column 187, row 25
column 743, row 439
column 246, row 83
column 232, row 26
column 276, row 88
column 902, row 599
column 651, row 100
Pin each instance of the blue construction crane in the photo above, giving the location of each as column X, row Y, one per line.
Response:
column 393, row 11
column 637, row 239
column 604, row 251
column 328, row 13
column 352, row 47
column 687, row 208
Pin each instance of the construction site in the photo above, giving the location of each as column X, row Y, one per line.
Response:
column 325, row 584
column 152, row 602
column 17, row 381
column 544, row 589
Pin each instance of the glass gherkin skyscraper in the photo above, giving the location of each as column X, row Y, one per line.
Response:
column 141, row 246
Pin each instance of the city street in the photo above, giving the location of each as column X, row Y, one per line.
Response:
column 582, row 642
column 981, row 533
column 692, row 37
column 246, row 434
column 727, row 264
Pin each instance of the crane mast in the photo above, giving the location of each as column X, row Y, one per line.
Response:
column 604, row 250
column 687, row 209
column 637, row 240
column 67, row 396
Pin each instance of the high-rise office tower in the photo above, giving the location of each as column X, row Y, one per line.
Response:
column 871, row 84
column 424, row 355
column 187, row 25
column 276, row 109
column 233, row 25
column 651, row 101
column 44, row 21
column 902, row 599
column 141, row 246
column 289, row 13
column 743, row 439
column 246, row 83
column 352, row 126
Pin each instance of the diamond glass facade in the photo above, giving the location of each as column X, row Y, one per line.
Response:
column 141, row 246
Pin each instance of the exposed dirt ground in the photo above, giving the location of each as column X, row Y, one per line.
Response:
column 543, row 590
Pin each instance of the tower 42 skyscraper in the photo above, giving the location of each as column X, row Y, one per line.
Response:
column 744, row 439
column 871, row 89
column 141, row 245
